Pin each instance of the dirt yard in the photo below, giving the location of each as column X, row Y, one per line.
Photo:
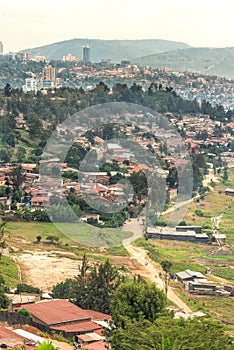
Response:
column 45, row 269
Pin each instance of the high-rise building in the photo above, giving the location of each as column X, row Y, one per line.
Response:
column 86, row 54
column 1, row 48
column 28, row 55
column 48, row 74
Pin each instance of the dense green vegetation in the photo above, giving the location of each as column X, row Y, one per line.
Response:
column 4, row 301
column 137, row 301
column 42, row 113
column 171, row 334
column 8, row 271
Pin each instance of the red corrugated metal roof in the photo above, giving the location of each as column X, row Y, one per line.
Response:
column 57, row 311
column 8, row 334
column 85, row 326
column 97, row 316
column 97, row 345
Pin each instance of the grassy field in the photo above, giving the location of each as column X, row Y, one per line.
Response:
column 70, row 233
column 185, row 255
column 198, row 257
column 8, row 271
column 193, row 256
column 219, row 308
column 215, row 203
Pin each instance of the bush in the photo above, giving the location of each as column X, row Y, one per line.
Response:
column 24, row 312
column 199, row 212
column 27, row 288
column 182, row 223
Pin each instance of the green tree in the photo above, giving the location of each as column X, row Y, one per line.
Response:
column 26, row 288
column 136, row 301
column 5, row 156
column 3, row 244
column 172, row 177
column 7, row 90
column 4, row 301
column 46, row 346
column 166, row 266
column 225, row 174
column 64, row 290
column 167, row 333
column 52, row 239
column 34, row 125
column 9, row 139
column 24, row 312
column 103, row 280
column 93, row 288
column 38, row 239
column 20, row 154
column 2, row 229
column 18, row 177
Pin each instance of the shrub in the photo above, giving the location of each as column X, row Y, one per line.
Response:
column 199, row 212
column 24, row 312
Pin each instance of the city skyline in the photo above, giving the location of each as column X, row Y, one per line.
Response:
column 26, row 24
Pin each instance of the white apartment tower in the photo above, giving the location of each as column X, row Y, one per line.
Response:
column 30, row 85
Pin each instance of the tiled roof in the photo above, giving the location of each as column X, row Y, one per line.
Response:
column 138, row 168
column 98, row 139
column 38, row 199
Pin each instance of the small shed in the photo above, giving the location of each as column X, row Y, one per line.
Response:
column 229, row 192
column 189, row 275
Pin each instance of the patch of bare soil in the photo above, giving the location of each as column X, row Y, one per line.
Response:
column 224, row 251
column 45, row 269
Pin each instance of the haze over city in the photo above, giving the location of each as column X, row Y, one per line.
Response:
column 26, row 24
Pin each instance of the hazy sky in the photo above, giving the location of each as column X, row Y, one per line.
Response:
column 31, row 23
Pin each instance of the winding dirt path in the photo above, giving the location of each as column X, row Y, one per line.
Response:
column 149, row 268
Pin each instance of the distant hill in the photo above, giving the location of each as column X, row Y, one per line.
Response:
column 116, row 50
column 202, row 60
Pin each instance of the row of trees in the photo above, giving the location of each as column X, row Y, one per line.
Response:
column 57, row 105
